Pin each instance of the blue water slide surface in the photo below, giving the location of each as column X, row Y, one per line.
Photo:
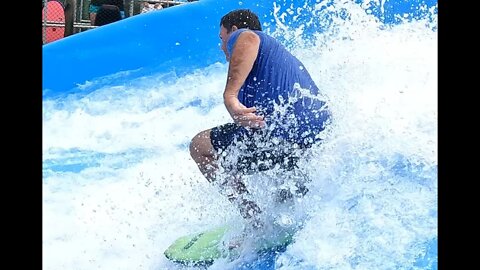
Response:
column 176, row 39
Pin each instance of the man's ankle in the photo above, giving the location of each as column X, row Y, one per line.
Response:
column 249, row 209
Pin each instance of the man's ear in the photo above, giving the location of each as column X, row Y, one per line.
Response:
column 234, row 28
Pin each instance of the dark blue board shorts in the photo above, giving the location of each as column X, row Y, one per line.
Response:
column 255, row 150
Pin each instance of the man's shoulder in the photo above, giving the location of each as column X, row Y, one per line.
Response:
column 240, row 31
column 244, row 32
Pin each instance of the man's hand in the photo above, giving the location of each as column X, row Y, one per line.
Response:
column 242, row 115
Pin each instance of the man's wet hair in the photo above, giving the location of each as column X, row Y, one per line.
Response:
column 241, row 18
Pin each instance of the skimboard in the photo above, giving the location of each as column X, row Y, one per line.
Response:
column 203, row 248
column 53, row 18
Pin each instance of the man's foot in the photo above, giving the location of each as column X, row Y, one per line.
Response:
column 251, row 230
column 235, row 239
column 235, row 242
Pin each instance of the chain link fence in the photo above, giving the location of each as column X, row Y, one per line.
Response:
column 61, row 18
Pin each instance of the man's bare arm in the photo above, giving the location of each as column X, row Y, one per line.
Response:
column 242, row 59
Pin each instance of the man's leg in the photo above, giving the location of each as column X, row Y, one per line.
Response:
column 92, row 9
column 202, row 152
column 231, row 185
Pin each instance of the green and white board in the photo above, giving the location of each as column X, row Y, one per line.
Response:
column 205, row 247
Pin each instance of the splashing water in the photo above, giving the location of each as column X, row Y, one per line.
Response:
column 119, row 185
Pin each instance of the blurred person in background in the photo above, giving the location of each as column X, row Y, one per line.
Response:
column 95, row 5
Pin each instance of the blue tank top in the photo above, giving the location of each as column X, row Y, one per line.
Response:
column 277, row 78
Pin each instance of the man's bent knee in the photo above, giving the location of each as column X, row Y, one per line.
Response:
column 200, row 145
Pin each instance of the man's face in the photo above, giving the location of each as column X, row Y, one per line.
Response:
column 224, row 35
